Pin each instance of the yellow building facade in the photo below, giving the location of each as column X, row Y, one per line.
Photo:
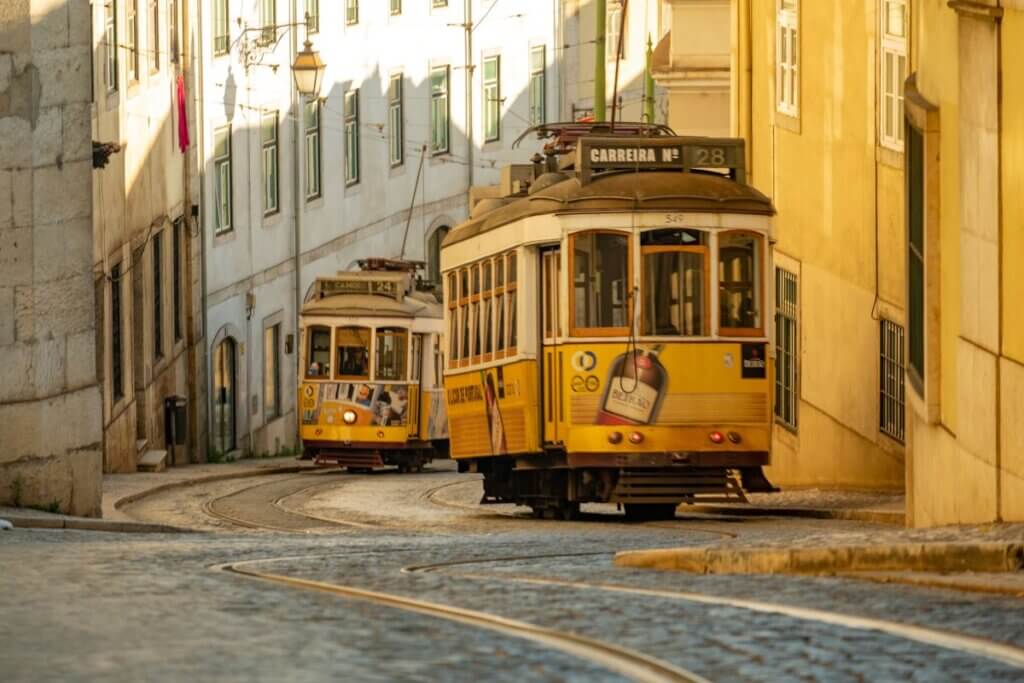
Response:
column 890, row 135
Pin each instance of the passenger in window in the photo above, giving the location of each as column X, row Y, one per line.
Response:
column 354, row 362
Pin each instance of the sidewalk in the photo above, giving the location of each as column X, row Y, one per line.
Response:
column 121, row 489
column 865, row 506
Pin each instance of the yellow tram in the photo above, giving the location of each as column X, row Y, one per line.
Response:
column 370, row 392
column 606, row 325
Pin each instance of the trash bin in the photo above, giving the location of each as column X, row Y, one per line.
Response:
column 176, row 429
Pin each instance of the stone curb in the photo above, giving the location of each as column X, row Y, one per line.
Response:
column 874, row 516
column 183, row 483
column 89, row 524
column 921, row 557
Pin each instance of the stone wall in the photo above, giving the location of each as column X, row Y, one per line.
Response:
column 50, row 408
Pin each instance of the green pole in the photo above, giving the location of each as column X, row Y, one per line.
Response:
column 649, row 83
column 601, row 8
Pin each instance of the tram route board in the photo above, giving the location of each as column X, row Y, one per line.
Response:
column 681, row 153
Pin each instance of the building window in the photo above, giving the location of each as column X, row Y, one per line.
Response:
column 613, row 31
column 396, row 137
column 786, row 358
column 177, row 266
column 739, row 286
column 675, row 293
column 268, row 137
column 893, row 72
column 172, row 24
column 319, row 357
column 787, row 57
column 158, row 295
column 892, row 399
column 492, row 98
column 352, row 137
column 311, row 122
column 116, row 340
column 220, row 27
column 272, row 372
column 440, row 3
column 132, row 39
column 396, row 6
column 268, row 19
column 600, row 277
column 110, row 35
column 312, row 16
column 154, row 35
column 222, row 177
column 538, row 99
column 915, row 257
column 439, row 110
column 352, row 12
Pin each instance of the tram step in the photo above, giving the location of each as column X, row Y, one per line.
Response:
column 350, row 459
column 671, row 487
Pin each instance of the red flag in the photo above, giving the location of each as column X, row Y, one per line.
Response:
column 183, row 139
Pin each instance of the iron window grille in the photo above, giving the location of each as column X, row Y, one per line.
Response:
column 892, row 399
column 787, row 361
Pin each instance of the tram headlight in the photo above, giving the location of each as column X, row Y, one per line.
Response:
column 349, row 416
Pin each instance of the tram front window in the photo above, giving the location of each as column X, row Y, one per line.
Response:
column 319, row 353
column 600, row 271
column 674, row 293
column 391, row 353
column 739, row 275
column 353, row 345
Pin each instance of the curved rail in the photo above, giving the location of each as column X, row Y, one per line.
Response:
column 629, row 663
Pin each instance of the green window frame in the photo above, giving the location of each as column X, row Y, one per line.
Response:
column 271, row 183
column 222, row 179
column 492, row 98
column 221, row 27
column 351, row 12
column 538, row 85
column 396, row 128
column 110, row 35
column 352, row 137
column 311, row 124
column 439, row 130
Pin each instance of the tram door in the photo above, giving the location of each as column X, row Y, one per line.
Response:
column 416, row 388
column 551, row 369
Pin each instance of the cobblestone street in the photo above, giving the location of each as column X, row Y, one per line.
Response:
column 161, row 606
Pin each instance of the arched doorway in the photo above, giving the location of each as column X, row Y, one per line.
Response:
column 224, row 393
column 434, row 254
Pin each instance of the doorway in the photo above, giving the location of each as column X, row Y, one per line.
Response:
column 224, row 392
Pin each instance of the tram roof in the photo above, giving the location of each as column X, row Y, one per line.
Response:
column 620, row 191
column 371, row 305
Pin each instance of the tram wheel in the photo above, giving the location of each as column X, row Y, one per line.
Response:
column 649, row 512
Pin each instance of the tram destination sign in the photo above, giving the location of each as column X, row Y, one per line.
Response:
column 682, row 153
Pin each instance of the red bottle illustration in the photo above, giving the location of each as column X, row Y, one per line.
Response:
column 636, row 383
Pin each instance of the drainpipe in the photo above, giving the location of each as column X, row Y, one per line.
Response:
column 468, row 25
column 601, row 9
column 200, row 148
column 296, row 208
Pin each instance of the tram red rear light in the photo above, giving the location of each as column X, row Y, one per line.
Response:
column 716, row 437
column 615, row 437
column 636, row 437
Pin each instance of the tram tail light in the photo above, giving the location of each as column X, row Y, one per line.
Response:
column 734, row 437
column 636, row 437
column 349, row 416
column 716, row 437
column 615, row 437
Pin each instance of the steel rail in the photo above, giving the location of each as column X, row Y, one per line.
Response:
column 629, row 663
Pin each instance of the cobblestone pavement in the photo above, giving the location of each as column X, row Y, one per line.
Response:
column 88, row 606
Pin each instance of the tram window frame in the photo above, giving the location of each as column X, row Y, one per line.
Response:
column 401, row 354
column 608, row 330
column 416, row 357
column 487, row 310
column 705, row 298
column 453, row 319
column 757, row 282
column 310, row 335
column 500, row 341
column 512, row 302
column 464, row 349
column 368, row 348
column 475, row 337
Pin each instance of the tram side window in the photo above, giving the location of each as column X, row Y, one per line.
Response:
column 453, row 319
column 319, row 353
column 600, row 272
column 353, row 345
column 488, row 312
column 739, row 276
column 674, row 283
column 464, row 320
column 512, row 298
column 391, row 354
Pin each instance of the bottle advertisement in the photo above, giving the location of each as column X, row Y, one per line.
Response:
column 636, row 384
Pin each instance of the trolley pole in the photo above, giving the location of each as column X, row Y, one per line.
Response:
column 649, row 83
column 601, row 9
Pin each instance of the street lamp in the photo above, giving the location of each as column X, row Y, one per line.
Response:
column 308, row 70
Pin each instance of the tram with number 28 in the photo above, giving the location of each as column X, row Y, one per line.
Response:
column 606, row 329
column 370, row 392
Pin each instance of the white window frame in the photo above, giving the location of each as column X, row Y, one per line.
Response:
column 131, row 39
column 351, row 12
column 893, row 50
column 153, row 47
column 396, row 114
column 221, row 27
column 110, row 35
column 312, row 16
column 787, row 57
column 222, row 181
column 614, row 25
column 271, row 165
column 268, row 20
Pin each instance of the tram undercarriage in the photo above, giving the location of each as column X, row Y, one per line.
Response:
column 359, row 460
column 554, row 488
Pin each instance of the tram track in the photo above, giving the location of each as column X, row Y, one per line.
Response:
column 627, row 662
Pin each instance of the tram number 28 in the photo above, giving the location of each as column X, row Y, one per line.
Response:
column 710, row 156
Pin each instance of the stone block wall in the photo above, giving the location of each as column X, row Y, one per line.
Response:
column 50, row 406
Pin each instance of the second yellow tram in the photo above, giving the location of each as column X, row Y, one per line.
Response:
column 607, row 336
